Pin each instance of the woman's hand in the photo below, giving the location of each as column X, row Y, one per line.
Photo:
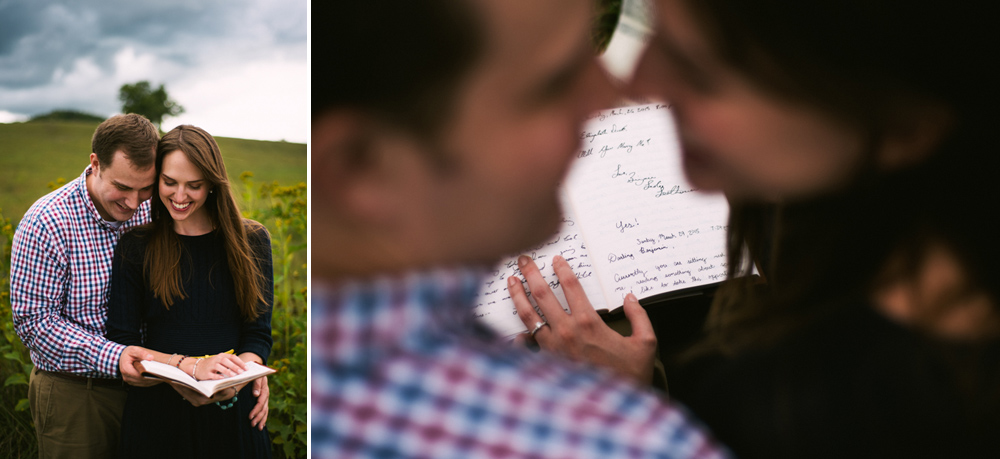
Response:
column 195, row 398
column 217, row 367
column 582, row 335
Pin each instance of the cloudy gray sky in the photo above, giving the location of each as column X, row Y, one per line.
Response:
column 238, row 67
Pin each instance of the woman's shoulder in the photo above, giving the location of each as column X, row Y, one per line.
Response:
column 257, row 233
column 254, row 227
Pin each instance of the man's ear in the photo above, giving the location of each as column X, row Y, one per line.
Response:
column 356, row 168
column 914, row 136
column 95, row 163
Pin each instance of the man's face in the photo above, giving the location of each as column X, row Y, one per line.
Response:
column 515, row 130
column 118, row 188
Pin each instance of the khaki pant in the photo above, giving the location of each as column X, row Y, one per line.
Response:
column 74, row 419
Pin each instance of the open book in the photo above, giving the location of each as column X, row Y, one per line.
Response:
column 157, row 370
column 631, row 222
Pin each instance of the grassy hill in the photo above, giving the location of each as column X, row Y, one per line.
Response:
column 37, row 153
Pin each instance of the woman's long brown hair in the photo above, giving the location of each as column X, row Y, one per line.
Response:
column 161, row 264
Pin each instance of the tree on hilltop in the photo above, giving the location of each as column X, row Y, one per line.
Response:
column 141, row 98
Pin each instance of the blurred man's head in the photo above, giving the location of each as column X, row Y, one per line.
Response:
column 441, row 129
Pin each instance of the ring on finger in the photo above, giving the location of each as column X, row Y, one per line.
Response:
column 538, row 326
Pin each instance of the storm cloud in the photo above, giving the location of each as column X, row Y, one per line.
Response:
column 237, row 65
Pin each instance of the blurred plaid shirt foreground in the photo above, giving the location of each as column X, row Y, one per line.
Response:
column 401, row 369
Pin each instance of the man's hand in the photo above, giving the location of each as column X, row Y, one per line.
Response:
column 126, row 364
column 582, row 335
column 258, row 415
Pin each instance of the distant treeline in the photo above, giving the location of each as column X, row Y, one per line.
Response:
column 67, row 115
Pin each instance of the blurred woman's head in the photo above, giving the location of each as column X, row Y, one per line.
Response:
column 869, row 122
column 784, row 100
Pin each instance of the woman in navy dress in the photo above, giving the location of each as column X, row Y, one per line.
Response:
column 196, row 281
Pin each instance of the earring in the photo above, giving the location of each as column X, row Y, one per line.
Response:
column 211, row 191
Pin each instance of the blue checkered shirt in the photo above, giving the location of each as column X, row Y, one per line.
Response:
column 400, row 369
column 60, row 270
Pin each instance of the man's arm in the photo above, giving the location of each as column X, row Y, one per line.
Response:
column 255, row 336
column 40, row 285
column 258, row 415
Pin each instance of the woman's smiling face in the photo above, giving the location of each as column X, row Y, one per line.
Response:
column 184, row 190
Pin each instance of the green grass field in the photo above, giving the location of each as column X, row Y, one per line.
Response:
column 34, row 154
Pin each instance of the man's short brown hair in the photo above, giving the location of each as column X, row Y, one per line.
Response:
column 407, row 68
column 133, row 134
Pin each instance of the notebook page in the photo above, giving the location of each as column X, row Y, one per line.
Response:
column 648, row 231
column 494, row 306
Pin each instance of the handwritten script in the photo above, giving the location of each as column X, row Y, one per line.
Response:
column 632, row 222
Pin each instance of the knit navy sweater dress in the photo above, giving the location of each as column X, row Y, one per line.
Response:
column 157, row 422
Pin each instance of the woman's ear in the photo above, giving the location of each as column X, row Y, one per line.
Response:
column 914, row 136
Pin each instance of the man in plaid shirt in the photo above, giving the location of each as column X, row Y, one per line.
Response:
column 60, row 270
column 441, row 130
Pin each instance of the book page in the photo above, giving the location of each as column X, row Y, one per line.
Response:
column 494, row 306
column 206, row 387
column 648, row 231
column 630, row 221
